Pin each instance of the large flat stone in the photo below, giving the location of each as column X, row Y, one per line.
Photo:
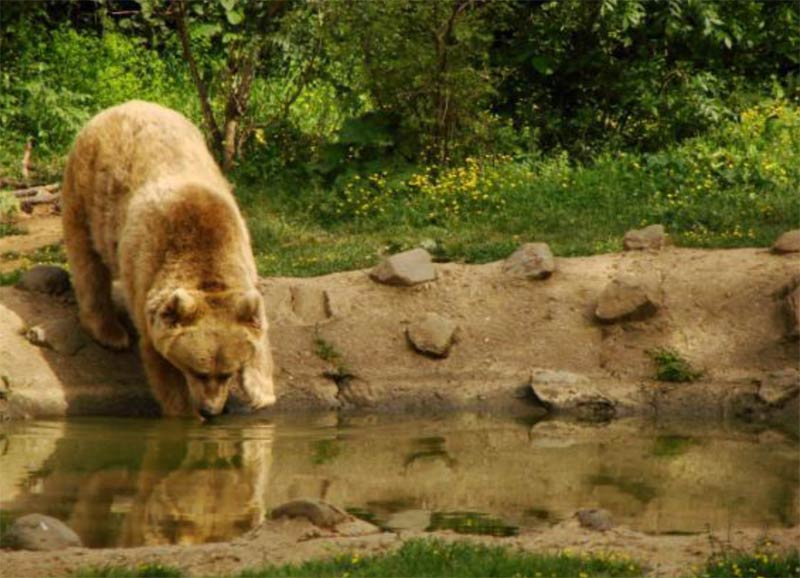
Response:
column 405, row 269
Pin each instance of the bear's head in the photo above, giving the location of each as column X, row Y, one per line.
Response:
column 211, row 337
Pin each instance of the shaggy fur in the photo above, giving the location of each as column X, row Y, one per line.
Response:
column 145, row 203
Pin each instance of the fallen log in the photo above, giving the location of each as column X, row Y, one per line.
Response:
column 42, row 198
column 32, row 191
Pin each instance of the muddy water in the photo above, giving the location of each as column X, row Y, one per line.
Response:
column 126, row 482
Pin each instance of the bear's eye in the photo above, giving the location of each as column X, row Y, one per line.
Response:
column 201, row 376
column 224, row 376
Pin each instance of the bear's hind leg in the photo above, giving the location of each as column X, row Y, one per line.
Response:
column 92, row 282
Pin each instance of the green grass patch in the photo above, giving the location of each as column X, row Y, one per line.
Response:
column 670, row 446
column 10, row 278
column 140, row 571
column 763, row 564
column 7, row 229
column 734, row 186
column 673, row 367
column 437, row 558
column 54, row 253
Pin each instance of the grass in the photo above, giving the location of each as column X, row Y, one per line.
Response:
column 671, row 366
column 763, row 564
column 7, row 229
column 10, row 278
column 140, row 571
column 436, row 558
column 431, row 557
column 732, row 187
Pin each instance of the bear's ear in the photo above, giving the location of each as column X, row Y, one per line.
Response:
column 178, row 308
column 248, row 309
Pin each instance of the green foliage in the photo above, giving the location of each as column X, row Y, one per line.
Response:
column 471, row 523
column 325, row 350
column 763, row 563
column 457, row 559
column 670, row 446
column 671, row 366
column 149, row 570
column 10, row 278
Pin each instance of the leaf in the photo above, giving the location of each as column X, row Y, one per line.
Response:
column 207, row 30
column 235, row 17
column 542, row 64
column 234, row 14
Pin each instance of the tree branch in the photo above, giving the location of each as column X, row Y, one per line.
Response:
column 205, row 104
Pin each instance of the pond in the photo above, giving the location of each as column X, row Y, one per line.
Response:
column 128, row 482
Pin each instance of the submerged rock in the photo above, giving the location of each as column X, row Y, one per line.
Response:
column 779, row 387
column 405, row 269
column 317, row 512
column 47, row 279
column 40, row 532
column 62, row 335
column 789, row 242
column 651, row 237
column 532, row 261
column 326, row 516
column 432, row 335
column 628, row 298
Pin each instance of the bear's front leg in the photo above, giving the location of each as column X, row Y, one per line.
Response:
column 91, row 279
column 257, row 384
column 166, row 382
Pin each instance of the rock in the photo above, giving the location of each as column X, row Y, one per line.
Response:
column 62, row 335
column 789, row 242
column 317, row 512
column 793, row 310
column 595, row 519
column 562, row 390
column 40, row 532
column 405, row 269
column 47, row 279
column 409, row 520
column 627, row 298
column 532, row 261
column 432, row 335
column 651, row 237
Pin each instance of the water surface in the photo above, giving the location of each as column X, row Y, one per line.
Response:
column 127, row 482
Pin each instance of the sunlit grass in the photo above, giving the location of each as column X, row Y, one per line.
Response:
column 457, row 559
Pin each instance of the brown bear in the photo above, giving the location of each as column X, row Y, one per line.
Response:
column 144, row 202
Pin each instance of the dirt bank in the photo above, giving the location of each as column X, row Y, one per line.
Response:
column 291, row 541
column 723, row 309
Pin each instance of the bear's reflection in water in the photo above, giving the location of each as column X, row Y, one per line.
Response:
column 132, row 482
column 174, row 484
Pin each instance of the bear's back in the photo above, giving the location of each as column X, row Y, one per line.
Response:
column 138, row 142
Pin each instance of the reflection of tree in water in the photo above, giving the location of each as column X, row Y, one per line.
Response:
column 166, row 482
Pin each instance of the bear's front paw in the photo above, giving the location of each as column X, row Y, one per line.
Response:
column 109, row 333
column 258, row 389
